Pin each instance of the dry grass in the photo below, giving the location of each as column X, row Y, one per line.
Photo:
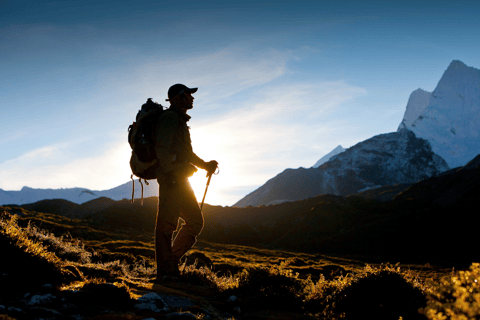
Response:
column 313, row 285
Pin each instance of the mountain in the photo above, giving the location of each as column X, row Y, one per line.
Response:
column 390, row 222
column 445, row 125
column 447, row 120
column 417, row 102
column 386, row 159
column 327, row 157
column 449, row 117
column 77, row 195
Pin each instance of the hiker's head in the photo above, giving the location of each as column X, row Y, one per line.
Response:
column 181, row 96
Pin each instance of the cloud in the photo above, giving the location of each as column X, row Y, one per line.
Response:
column 53, row 167
column 219, row 75
column 282, row 129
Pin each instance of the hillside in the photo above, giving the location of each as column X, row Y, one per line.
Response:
column 47, row 276
column 365, row 226
column 359, row 225
column 286, row 261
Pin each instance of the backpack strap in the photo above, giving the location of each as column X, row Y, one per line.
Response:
column 133, row 188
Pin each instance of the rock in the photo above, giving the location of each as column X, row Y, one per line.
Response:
column 177, row 302
column 153, row 302
column 232, row 299
column 39, row 299
column 181, row 316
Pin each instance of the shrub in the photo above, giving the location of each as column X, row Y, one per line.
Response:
column 384, row 292
column 457, row 297
column 383, row 295
column 206, row 277
column 275, row 287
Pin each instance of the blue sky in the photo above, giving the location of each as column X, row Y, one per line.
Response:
column 281, row 83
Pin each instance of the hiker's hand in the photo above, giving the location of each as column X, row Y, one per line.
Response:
column 211, row 167
column 171, row 180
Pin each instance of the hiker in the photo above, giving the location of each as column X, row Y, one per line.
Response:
column 177, row 162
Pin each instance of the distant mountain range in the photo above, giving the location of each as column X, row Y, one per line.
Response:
column 77, row 195
column 439, row 131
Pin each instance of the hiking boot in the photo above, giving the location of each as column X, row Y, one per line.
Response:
column 169, row 272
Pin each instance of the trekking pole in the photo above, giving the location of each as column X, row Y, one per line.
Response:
column 206, row 188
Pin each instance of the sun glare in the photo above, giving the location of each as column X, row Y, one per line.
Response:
column 198, row 182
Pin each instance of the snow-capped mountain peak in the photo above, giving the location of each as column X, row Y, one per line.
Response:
column 416, row 104
column 450, row 121
column 328, row 156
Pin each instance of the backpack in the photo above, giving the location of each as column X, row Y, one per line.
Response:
column 143, row 160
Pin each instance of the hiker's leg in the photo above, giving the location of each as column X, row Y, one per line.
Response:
column 167, row 218
column 193, row 225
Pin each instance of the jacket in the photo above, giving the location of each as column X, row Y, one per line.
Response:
column 173, row 146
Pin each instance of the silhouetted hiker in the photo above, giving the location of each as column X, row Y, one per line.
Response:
column 176, row 198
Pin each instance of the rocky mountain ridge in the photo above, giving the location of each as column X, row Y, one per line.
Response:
column 386, row 159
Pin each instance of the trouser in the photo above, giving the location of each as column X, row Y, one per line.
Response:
column 179, row 202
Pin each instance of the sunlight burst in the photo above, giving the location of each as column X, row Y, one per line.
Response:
column 198, row 182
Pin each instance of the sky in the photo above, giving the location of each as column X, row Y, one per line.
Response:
column 280, row 83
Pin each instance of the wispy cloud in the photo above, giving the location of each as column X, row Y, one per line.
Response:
column 282, row 129
column 220, row 74
column 53, row 167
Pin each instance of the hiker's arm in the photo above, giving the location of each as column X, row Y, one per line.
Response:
column 197, row 161
column 164, row 133
column 210, row 167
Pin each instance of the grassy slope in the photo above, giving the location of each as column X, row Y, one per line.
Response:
column 251, row 244
column 265, row 282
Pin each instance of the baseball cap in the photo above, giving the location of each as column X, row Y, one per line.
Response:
column 177, row 89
